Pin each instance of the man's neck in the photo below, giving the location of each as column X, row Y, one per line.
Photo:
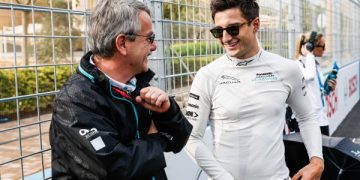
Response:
column 251, row 53
column 114, row 68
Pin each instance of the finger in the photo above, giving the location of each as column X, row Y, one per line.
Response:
column 138, row 99
column 297, row 176
column 144, row 91
column 161, row 99
column 154, row 98
column 151, row 96
column 160, row 109
column 146, row 96
column 148, row 106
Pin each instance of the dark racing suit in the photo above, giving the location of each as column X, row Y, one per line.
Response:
column 100, row 132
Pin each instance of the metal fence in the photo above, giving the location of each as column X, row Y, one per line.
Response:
column 41, row 42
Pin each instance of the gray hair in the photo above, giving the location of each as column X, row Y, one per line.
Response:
column 111, row 18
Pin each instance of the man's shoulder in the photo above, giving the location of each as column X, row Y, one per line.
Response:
column 272, row 56
column 286, row 68
column 213, row 69
column 76, row 87
column 216, row 65
column 280, row 61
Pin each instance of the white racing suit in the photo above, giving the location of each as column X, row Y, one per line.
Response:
column 244, row 103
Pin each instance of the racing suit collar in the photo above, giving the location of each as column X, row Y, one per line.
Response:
column 247, row 61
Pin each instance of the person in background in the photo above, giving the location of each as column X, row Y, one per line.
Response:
column 108, row 123
column 308, row 47
column 242, row 96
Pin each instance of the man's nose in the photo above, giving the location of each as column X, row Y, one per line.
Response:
column 153, row 46
column 226, row 36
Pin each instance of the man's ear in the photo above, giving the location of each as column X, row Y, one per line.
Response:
column 256, row 23
column 120, row 44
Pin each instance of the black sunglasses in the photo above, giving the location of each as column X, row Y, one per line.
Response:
column 149, row 38
column 232, row 29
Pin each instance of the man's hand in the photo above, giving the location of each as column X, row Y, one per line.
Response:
column 312, row 171
column 154, row 99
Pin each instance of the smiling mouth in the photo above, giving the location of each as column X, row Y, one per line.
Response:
column 232, row 44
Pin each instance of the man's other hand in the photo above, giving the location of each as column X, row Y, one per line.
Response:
column 312, row 171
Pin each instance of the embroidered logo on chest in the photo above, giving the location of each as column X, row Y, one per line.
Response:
column 244, row 63
column 266, row 77
column 225, row 79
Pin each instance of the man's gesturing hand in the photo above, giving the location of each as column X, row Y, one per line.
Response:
column 312, row 171
column 154, row 99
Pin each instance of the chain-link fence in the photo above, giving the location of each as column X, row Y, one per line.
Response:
column 41, row 42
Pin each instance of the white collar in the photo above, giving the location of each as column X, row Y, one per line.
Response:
column 245, row 62
column 130, row 86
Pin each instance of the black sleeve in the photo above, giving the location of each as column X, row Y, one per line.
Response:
column 173, row 126
column 89, row 141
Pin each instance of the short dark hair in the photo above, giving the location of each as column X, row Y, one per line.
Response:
column 248, row 8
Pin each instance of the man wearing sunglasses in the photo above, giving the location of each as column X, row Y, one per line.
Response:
column 108, row 123
column 242, row 96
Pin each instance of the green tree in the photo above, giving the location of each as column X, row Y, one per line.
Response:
column 62, row 45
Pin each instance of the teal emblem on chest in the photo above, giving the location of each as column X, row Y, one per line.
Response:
column 266, row 77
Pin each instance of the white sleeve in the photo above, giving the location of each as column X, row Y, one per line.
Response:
column 306, row 117
column 309, row 71
column 198, row 112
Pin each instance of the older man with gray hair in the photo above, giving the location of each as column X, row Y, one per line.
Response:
column 108, row 122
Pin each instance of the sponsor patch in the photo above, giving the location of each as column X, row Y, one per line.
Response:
column 97, row 143
column 191, row 115
column 194, row 106
column 226, row 79
column 266, row 77
column 244, row 63
column 194, row 96
column 87, row 133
